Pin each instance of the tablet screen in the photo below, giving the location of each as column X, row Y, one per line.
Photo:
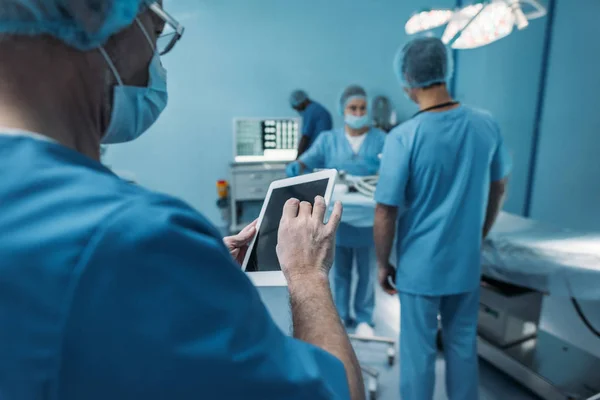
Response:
column 264, row 254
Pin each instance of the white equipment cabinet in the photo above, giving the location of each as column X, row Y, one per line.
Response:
column 250, row 183
column 262, row 147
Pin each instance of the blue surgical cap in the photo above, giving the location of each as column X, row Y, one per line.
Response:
column 298, row 97
column 83, row 24
column 350, row 93
column 423, row 62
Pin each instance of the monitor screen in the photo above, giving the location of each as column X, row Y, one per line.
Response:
column 264, row 254
column 266, row 139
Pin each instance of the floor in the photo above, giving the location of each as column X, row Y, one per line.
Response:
column 494, row 385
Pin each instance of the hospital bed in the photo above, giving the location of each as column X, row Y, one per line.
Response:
column 532, row 324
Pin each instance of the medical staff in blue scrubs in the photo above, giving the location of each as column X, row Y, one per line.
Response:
column 442, row 179
column 354, row 149
column 315, row 119
column 109, row 290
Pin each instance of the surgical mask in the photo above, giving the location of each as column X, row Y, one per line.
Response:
column 355, row 122
column 135, row 109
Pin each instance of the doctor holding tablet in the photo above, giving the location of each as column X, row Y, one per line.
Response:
column 112, row 291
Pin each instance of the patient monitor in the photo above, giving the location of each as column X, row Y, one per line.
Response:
column 266, row 139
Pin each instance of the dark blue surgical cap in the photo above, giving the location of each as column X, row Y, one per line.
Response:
column 298, row 97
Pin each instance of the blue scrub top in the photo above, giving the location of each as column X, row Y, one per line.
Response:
column 437, row 168
column 332, row 150
column 315, row 120
column 110, row 291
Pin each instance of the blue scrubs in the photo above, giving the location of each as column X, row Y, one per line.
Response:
column 332, row 150
column 111, row 291
column 315, row 120
column 437, row 168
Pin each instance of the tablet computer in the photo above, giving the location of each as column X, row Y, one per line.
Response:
column 261, row 262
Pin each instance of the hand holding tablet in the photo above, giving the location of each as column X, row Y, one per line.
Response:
column 238, row 244
column 293, row 242
column 305, row 244
column 262, row 263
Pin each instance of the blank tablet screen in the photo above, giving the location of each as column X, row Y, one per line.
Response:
column 264, row 254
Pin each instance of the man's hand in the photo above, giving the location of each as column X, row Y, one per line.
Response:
column 384, row 231
column 305, row 248
column 496, row 199
column 305, row 245
column 387, row 278
column 238, row 244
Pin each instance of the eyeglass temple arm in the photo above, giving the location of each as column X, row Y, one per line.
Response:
column 157, row 9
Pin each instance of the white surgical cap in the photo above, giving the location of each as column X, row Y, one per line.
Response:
column 350, row 93
column 83, row 24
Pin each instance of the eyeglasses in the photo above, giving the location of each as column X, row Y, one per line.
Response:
column 172, row 33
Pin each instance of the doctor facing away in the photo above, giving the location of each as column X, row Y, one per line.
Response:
column 442, row 180
column 111, row 291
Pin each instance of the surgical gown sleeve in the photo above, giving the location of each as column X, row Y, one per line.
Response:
column 501, row 161
column 314, row 157
column 394, row 171
column 161, row 311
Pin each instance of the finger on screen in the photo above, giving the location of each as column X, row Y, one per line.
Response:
column 305, row 209
column 319, row 208
column 290, row 209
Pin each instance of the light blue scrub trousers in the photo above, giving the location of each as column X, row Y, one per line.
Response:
column 364, row 297
column 419, row 325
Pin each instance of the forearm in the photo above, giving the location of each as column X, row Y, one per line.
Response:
column 303, row 167
column 303, row 144
column 316, row 321
column 384, row 230
column 496, row 199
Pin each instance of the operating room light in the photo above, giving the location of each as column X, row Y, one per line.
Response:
column 477, row 24
column 520, row 18
column 427, row 20
column 460, row 20
column 495, row 21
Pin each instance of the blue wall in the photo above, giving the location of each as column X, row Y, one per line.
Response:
column 242, row 58
column 567, row 183
column 503, row 78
